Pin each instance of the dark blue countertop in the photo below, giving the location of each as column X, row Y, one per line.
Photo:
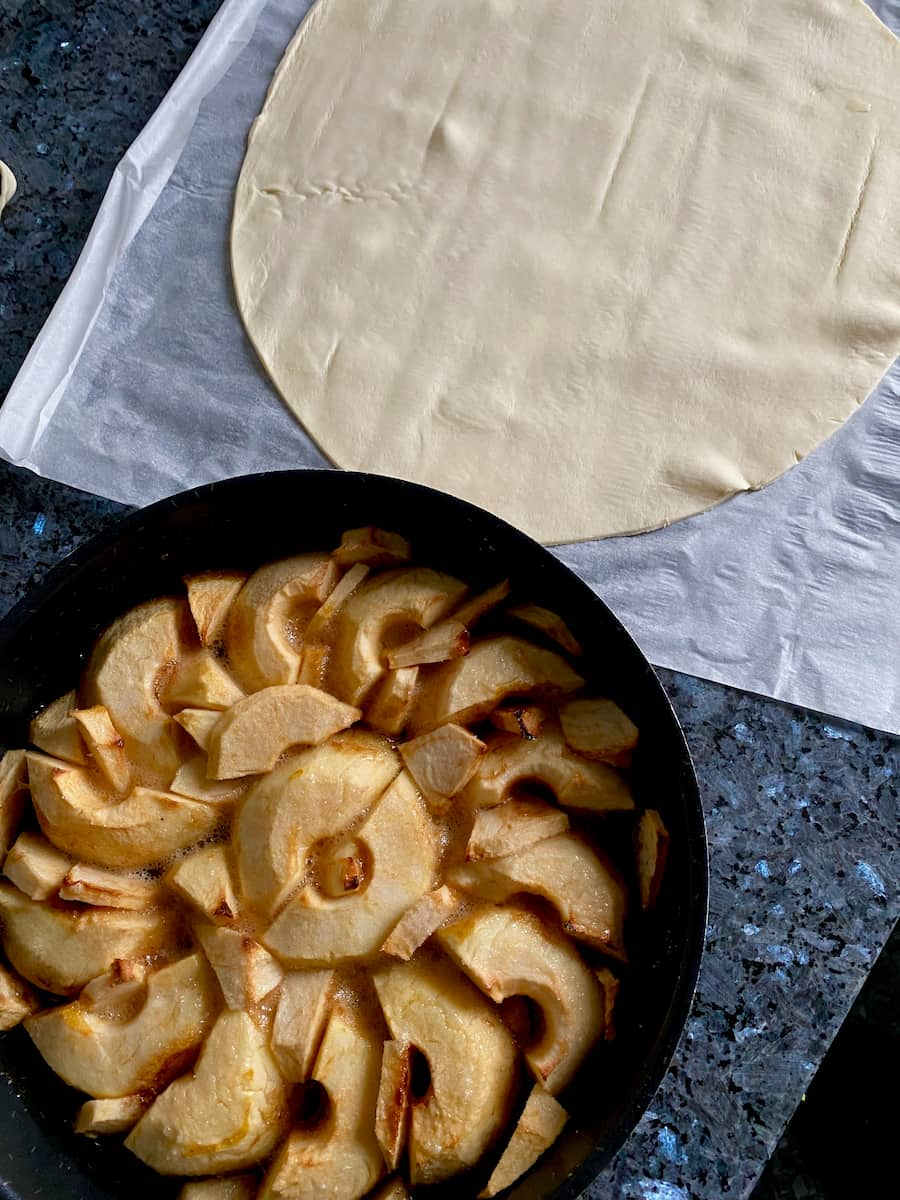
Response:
column 802, row 810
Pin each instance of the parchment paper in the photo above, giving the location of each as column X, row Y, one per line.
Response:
column 142, row 383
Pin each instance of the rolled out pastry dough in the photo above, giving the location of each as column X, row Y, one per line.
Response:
column 592, row 264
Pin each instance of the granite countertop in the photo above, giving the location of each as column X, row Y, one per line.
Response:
column 801, row 809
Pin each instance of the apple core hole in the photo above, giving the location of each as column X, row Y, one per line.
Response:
column 313, row 1104
column 533, row 789
column 398, row 633
column 419, row 1076
column 525, row 1019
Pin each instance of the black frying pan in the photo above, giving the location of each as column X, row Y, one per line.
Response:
column 243, row 523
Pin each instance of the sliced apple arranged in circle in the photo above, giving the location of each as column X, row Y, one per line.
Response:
column 315, row 856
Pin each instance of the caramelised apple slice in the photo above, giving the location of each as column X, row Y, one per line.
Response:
column 442, row 762
column 312, row 795
column 108, row 889
column 549, row 623
column 199, row 723
column 319, row 627
column 232, row 1187
column 539, row 1126
column 400, row 842
column 60, row 949
column 119, row 992
column 599, row 729
column 139, row 831
column 106, row 746
column 100, row 1117
column 448, row 639
column 262, row 632
column 192, row 781
column 204, row 880
column 390, row 705
column 36, row 867
column 394, row 1189
column 245, row 970
column 582, row 885
column 420, row 921
column 469, row 688
column 251, row 737
column 130, row 665
column 652, row 844
column 200, row 681
column 55, row 730
column 300, row 1020
column 108, row 1058
column 228, row 1114
column 13, row 796
column 392, row 1110
column 524, row 720
column 384, row 612
column 17, row 1000
column 337, row 1157
column 210, row 597
column 509, row 951
column 471, row 1058
column 511, row 763
column 373, row 546
column 512, row 826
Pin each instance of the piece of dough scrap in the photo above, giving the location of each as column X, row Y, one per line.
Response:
column 592, row 267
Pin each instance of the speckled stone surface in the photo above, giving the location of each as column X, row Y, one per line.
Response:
column 802, row 811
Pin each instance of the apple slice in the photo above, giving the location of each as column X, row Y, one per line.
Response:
column 96, row 1118
column 392, row 1109
column 60, row 949
column 510, row 952
column 204, row 880
column 609, row 986
column 541, row 1123
column 473, row 609
column 234, row 1187
column 442, row 762
column 318, row 628
column 119, row 992
column 139, row 831
column 36, row 867
column 200, row 681
column 300, row 1020
column 13, row 796
column 420, row 921
column 336, row 1158
column 394, row 1189
column 210, row 597
column 192, row 781
column 513, row 763
column 17, row 1000
column 384, row 612
column 549, row 623
column 228, row 1114
column 512, row 826
column 314, row 664
column 524, row 720
column 129, row 667
column 402, row 845
column 90, row 885
column 598, row 729
column 313, row 795
column 110, row 1058
column 261, row 635
column 106, row 746
column 373, row 546
column 469, row 688
column 199, row 723
column 583, row 886
column 652, row 841
column 245, row 970
column 471, row 1058
column 251, row 737
column 391, row 702
column 55, row 730
column 448, row 639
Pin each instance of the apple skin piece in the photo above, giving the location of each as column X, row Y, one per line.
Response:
column 300, row 1020
column 260, row 650
column 99, row 1117
column 254, row 733
column 406, row 599
column 508, row 952
column 128, row 668
column 139, row 831
column 373, row 546
column 200, row 681
column 339, row 1159
column 13, row 796
column 312, row 795
column 17, row 1000
column 233, row 1187
column 229, row 1113
column 111, row 1058
column 35, row 867
column 442, row 762
column 61, row 949
column 403, row 846
column 106, row 746
column 390, row 705
column 420, row 921
column 469, row 688
column 55, row 730
column 598, row 729
column 512, row 762
column 245, row 970
column 581, row 884
column 210, row 597
column 204, row 880
column 471, row 1056
column 541, row 1123
column 392, row 1110
column 652, row 844
column 512, row 826
column 199, row 723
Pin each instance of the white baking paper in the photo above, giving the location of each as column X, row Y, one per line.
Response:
column 142, row 383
